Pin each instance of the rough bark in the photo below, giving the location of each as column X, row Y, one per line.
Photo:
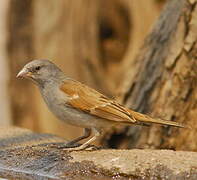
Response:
column 161, row 80
column 27, row 155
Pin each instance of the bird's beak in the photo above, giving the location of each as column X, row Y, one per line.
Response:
column 24, row 73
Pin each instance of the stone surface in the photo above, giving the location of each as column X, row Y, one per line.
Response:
column 28, row 155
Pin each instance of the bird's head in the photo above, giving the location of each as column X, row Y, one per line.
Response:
column 39, row 71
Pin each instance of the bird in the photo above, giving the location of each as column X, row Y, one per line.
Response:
column 79, row 105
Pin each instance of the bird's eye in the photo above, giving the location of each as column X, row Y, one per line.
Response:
column 37, row 68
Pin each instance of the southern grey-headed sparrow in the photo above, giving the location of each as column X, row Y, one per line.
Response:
column 80, row 105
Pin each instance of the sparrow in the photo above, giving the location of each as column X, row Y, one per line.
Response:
column 79, row 105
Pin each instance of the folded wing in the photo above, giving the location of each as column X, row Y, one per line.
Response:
column 89, row 100
column 93, row 102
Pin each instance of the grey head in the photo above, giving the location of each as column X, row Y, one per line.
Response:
column 41, row 71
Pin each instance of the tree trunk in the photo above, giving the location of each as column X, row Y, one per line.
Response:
column 161, row 80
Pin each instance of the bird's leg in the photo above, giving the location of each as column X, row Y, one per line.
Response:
column 71, row 144
column 96, row 132
column 133, row 118
column 86, row 134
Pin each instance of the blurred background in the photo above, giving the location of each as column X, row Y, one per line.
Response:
column 93, row 41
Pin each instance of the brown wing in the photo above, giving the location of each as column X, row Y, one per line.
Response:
column 93, row 102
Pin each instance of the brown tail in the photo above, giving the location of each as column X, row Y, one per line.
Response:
column 147, row 119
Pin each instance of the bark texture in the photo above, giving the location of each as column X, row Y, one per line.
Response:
column 161, row 80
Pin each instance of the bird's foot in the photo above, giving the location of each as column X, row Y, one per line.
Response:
column 80, row 148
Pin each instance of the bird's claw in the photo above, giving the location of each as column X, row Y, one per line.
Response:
column 79, row 148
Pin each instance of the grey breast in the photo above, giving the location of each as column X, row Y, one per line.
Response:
column 56, row 102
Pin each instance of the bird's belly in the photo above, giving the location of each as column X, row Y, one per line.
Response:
column 78, row 118
column 71, row 115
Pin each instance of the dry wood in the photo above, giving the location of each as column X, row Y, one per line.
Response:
column 27, row 155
